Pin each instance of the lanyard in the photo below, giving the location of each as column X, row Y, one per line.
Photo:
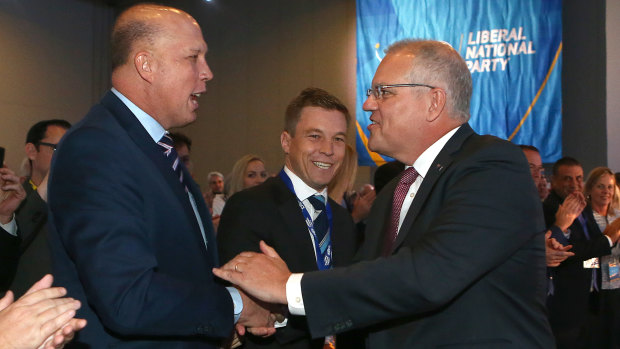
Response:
column 323, row 259
column 584, row 225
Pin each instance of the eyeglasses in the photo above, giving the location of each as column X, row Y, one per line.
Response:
column 379, row 90
column 51, row 145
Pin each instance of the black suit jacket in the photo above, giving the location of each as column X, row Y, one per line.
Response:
column 35, row 260
column 9, row 255
column 270, row 212
column 125, row 240
column 468, row 266
column 572, row 304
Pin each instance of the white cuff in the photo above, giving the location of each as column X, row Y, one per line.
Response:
column 293, row 295
column 10, row 227
column 237, row 302
column 611, row 243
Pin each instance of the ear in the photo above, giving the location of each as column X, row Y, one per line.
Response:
column 145, row 65
column 285, row 141
column 437, row 104
column 31, row 151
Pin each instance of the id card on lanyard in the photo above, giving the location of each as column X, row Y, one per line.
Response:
column 324, row 257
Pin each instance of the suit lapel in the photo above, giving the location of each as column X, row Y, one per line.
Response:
column 143, row 140
column 295, row 224
column 377, row 222
column 438, row 167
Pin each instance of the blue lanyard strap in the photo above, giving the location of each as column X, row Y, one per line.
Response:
column 584, row 225
column 323, row 258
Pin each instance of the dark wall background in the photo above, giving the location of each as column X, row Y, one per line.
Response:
column 584, row 134
column 53, row 63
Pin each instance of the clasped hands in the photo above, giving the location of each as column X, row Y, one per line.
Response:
column 262, row 277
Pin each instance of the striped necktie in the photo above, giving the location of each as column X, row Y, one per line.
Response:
column 320, row 223
column 173, row 158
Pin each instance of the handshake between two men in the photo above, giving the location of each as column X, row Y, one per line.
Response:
column 263, row 277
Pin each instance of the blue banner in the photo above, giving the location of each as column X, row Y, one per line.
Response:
column 512, row 49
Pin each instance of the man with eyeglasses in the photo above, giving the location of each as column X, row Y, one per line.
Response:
column 29, row 224
column 454, row 251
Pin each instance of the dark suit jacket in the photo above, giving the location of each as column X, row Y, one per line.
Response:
column 270, row 212
column 125, row 240
column 35, row 260
column 468, row 266
column 9, row 255
column 572, row 305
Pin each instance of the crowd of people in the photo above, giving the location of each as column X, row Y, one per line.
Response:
column 458, row 243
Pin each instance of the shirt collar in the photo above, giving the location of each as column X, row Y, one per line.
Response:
column 425, row 160
column 302, row 190
column 154, row 129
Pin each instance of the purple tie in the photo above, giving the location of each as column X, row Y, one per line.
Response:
column 168, row 145
column 408, row 177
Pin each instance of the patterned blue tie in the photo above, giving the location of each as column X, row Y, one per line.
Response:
column 320, row 223
column 171, row 155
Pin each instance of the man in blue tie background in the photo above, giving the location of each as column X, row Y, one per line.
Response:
column 131, row 236
column 292, row 211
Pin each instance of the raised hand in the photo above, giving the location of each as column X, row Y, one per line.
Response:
column 613, row 230
column 12, row 194
column 555, row 252
column 569, row 210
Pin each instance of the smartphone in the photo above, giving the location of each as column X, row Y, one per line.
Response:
column 1, row 157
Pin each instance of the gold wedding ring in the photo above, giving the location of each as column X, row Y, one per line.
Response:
column 236, row 269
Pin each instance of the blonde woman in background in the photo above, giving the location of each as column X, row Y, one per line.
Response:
column 247, row 172
column 604, row 201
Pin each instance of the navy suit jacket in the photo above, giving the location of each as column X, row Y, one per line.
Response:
column 125, row 240
column 468, row 266
column 271, row 212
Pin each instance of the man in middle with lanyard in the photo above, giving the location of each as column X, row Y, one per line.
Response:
column 293, row 213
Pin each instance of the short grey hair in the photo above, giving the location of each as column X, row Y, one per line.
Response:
column 214, row 174
column 436, row 62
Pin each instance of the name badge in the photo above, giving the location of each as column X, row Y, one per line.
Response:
column 614, row 271
column 591, row 263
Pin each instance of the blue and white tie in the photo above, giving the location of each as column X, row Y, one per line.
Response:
column 168, row 145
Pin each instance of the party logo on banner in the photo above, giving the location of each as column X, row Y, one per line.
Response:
column 512, row 49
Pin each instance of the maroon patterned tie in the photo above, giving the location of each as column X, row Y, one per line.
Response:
column 408, row 177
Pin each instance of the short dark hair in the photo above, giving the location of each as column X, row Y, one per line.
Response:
column 565, row 161
column 37, row 131
column 528, row 147
column 179, row 139
column 311, row 97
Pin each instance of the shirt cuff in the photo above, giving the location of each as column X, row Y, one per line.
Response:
column 611, row 243
column 10, row 227
column 559, row 235
column 293, row 295
column 237, row 302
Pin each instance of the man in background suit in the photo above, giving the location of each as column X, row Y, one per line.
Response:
column 35, row 260
column 460, row 231
column 26, row 234
column 12, row 193
column 131, row 236
column 314, row 143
